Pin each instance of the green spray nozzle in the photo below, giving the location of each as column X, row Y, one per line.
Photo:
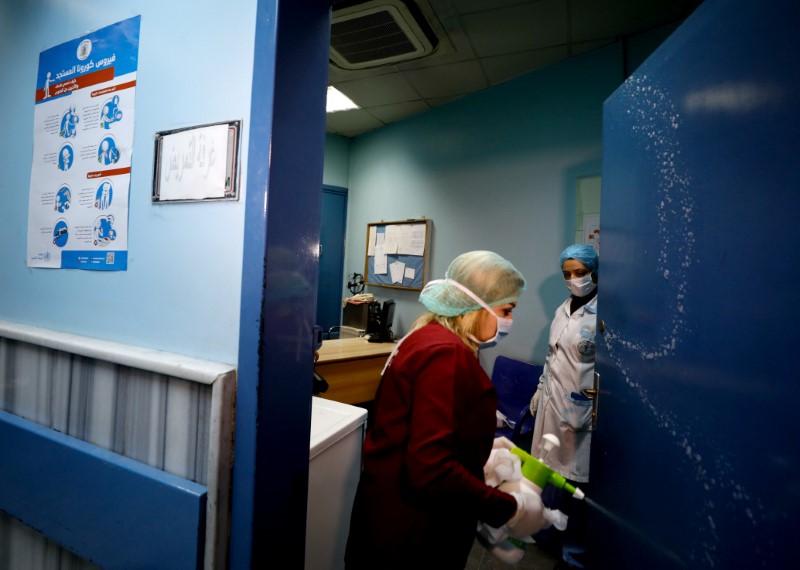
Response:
column 540, row 474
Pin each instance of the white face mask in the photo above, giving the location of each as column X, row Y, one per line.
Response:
column 581, row 286
column 503, row 324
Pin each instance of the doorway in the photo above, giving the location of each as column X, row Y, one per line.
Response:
column 587, row 211
column 333, row 220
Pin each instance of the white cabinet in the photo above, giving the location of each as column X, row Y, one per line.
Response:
column 337, row 432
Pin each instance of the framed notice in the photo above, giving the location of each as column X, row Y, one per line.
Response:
column 397, row 254
column 197, row 164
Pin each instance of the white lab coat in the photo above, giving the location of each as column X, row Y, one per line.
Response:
column 569, row 368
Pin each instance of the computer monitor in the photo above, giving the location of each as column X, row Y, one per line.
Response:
column 384, row 325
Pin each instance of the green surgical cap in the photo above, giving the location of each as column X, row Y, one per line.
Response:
column 489, row 276
column 586, row 254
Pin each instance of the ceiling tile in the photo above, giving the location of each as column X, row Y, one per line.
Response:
column 637, row 17
column 391, row 113
column 448, row 80
column 504, row 67
column 518, row 28
column 444, row 8
column 583, row 47
column 598, row 19
column 594, row 19
column 356, row 119
column 468, row 6
column 511, row 37
column 436, row 101
column 380, row 90
column 337, row 74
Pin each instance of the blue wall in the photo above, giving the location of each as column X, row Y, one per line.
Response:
column 182, row 287
column 495, row 170
column 184, row 284
column 336, row 170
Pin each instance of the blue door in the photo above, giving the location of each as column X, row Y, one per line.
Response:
column 333, row 217
column 695, row 461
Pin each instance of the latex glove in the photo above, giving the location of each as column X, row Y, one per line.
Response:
column 502, row 466
column 497, row 542
column 503, row 442
column 556, row 517
column 501, row 420
column 530, row 517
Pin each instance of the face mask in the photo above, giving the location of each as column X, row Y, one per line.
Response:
column 581, row 286
column 503, row 328
column 503, row 324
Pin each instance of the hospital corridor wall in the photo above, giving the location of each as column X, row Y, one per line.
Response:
column 186, row 286
column 494, row 170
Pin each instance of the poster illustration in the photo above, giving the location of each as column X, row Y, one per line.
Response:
column 591, row 231
column 82, row 147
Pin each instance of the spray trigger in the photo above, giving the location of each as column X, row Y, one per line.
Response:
column 550, row 441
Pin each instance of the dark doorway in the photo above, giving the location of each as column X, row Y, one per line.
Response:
column 333, row 217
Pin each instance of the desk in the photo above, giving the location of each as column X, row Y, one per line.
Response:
column 352, row 367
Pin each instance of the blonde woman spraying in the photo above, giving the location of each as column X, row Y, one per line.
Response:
column 422, row 489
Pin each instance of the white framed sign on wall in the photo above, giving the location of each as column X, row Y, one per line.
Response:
column 197, row 164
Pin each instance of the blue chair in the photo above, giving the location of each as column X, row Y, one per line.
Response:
column 515, row 382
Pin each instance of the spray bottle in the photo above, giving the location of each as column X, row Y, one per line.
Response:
column 535, row 471
column 535, row 476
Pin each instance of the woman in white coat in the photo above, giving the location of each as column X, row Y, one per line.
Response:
column 559, row 405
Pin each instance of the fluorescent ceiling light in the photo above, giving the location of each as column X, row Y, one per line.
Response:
column 338, row 101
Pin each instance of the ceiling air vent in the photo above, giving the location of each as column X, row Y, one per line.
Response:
column 379, row 32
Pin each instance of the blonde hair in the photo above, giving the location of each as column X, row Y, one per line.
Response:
column 461, row 325
column 486, row 275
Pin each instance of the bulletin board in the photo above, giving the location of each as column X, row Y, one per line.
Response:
column 397, row 254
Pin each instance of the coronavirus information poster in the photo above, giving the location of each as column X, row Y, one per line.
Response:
column 82, row 146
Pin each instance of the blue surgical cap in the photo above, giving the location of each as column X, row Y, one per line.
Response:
column 586, row 254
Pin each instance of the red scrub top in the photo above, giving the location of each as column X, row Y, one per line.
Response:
column 422, row 490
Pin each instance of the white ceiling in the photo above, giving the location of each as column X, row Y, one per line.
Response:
column 485, row 42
